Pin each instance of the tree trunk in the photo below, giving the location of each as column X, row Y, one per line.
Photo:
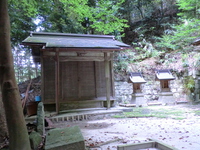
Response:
column 3, row 127
column 18, row 135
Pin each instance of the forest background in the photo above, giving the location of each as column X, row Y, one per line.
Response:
column 158, row 30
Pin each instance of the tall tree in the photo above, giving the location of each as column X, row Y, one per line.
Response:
column 18, row 135
column 22, row 14
column 106, row 18
column 69, row 16
column 186, row 31
column 189, row 8
column 3, row 126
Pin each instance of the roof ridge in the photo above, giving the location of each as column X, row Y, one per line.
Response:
column 71, row 35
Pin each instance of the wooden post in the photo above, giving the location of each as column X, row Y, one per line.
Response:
column 36, row 69
column 112, row 75
column 57, row 86
column 95, row 79
column 79, row 80
column 107, row 75
column 42, row 76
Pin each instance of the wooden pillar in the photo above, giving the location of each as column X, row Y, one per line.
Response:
column 36, row 69
column 95, row 79
column 112, row 75
column 57, row 86
column 42, row 75
column 107, row 75
column 79, row 79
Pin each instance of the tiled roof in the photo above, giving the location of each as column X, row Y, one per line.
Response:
column 136, row 78
column 62, row 40
column 164, row 75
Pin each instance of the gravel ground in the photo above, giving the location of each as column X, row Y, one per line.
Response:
column 107, row 133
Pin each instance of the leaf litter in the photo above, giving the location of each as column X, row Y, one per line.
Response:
column 107, row 133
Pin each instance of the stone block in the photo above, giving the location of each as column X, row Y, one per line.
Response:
column 35, row 140
column 69, row 138
column 152, row 144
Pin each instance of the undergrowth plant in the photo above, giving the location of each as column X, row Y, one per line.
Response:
column 189, row 84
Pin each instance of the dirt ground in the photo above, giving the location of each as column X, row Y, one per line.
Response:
column 107, row 133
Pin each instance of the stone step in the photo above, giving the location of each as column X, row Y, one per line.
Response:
column 85, row 115
column 80, row 115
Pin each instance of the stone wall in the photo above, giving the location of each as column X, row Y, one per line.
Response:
column 177, row 88
column 151, row 92
column 196, row 95
column 123, row 91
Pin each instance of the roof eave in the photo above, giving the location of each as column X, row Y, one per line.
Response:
column 75, row 48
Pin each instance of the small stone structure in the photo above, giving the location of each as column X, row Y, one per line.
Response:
column 40, row 119
column 35, row 140
column 165, row 96
column 36, row 137
column 137, row 80
column 69, row 138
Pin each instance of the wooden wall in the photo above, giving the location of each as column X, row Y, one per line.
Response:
column 79, row 81
column 48, row 77
column 82, row 80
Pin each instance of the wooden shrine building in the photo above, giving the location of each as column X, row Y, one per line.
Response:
column 164, row 76
column 76, row 69
column 137, row 79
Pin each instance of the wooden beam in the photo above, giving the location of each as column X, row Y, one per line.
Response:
column 81, row 58
column 86, row 49
column 107, row 75
column 57, row 86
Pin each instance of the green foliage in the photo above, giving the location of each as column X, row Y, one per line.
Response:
column 61, row 17
column 27, row 6
column 65, row 16
column 185, row 60
column 135, row 10
column 189, row 9
column 25, row 68
column 21, row 14
column 189, row 84
column 186, row 31
column 182, row 36
column 69, row 16
column 105, row 17
column 145, row 49
column 122, row 60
